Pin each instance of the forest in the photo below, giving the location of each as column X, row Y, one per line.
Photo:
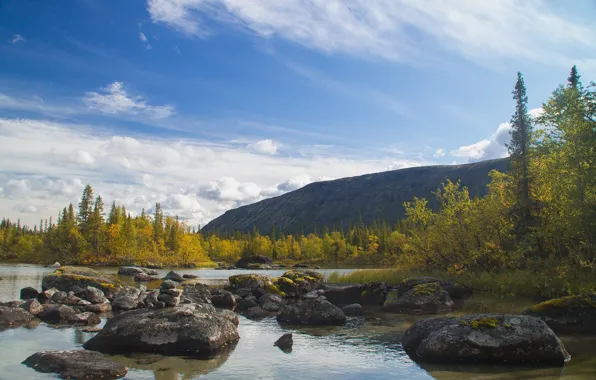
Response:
column 539, row 217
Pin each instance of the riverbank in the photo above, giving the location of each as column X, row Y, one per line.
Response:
column 539, row 285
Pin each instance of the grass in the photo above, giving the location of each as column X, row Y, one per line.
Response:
column 540, row 285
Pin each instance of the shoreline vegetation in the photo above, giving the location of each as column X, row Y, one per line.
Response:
column 532, row 234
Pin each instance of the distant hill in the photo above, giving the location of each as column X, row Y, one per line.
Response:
column 370, row 196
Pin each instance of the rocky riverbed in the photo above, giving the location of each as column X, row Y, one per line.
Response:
column 296, row 302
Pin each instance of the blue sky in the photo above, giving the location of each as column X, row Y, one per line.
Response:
column 205, row 105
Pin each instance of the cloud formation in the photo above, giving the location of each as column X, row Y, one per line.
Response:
column 16, row 39
column 397, row 30
column 492, row 147
column 113, row 99
column 267, row 146
column 48, row 164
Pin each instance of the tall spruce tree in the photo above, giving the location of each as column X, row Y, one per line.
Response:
column 157, row 223
column 519, row 149
column 85, row 209
column 573, row 80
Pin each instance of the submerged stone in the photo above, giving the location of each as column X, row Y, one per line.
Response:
column 77, row 364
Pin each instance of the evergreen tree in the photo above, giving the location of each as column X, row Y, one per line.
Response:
column 114, row 215
column 573, row 80
column 85, row 209
column 519, row 149
column 157, row 223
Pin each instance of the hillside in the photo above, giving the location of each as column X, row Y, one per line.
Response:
column 371, row 196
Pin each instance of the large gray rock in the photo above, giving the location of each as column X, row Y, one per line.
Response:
column 188, row 330
column 78, row 364
column 126, row 299
column 354, row 309
column 312, row 312
column 485, row 338
column 453, row 288
column 174, row 276
column 572, row 314
column 271, row 302
column 99, row 307
column 94, row 295
column 29, row 293
column 240, row 281
column 14, row 316
column 56, row 314
column 144, row 277
column 86, row 318
column 224, row 299
column 429, row 298
column 365, row 294
column 247, row 303
column 69, row 278
column 32, row 306
column 196, row 293
column 130, row 271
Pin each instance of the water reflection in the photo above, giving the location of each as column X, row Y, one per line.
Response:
column 171, row 368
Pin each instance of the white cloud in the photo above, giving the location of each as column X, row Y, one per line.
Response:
column 265, row 146
column 29, row 209
column 47, row 164
column 439, row 153
column 113, row 99
column 17, row 38
column 492, row 147
column 142, row 37
column 399, row 30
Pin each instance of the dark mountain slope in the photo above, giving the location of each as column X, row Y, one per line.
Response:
column 371, row 196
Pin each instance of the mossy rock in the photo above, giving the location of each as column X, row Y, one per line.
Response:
column 248, row 281
column 307, row 275
column 67, row 278
column 571, row 314
column 286, row 286
column 428, row 298
column 455, row 289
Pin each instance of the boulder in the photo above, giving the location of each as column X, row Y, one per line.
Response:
column 429, row 298
column 455, row 289
column 126, row 299
column 58, row 297
column 196, row 293
column 87, row 318
column 32, row 306
column 189, row 330
column 29, row 293
column 285, row 342
column 190, row 276
column 354, row 309
column 233, row 317
column 224, row 300
column 314, row 294
column 174, row 276
column 77, row 364
column 312, row 312
column 572, row 314
column 14, row 316
column 71, row 300
column 255, row 259
column 256, row 313
column 244, row 292
column 99, row 307
column 46, row 295
column 56, row 314
column 130, row 271
column 485, row 338
column 247, row 303
column 248, row 281
column 67, row 278
column 372, row 293
column 271, row 302
column 94, row 295
column 168, row 284
column 143, row 277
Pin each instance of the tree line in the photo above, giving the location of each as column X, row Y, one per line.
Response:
column 541, row 213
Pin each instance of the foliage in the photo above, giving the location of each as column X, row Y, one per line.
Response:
column 532, row 233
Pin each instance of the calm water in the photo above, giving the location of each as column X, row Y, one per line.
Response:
column 366, row 348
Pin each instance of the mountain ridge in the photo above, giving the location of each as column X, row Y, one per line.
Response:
column 348, row 200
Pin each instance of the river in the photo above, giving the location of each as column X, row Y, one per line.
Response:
column 366, row 348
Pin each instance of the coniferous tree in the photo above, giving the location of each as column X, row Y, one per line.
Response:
column 157, row 223
column 85, row 209
column 573, row 80
column 519, row 149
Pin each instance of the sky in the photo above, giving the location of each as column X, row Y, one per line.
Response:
column 207, row 105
